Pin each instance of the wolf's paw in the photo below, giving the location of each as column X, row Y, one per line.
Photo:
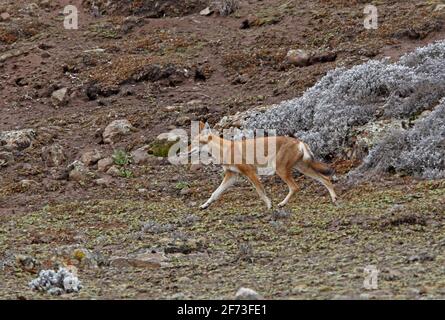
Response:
column 204, row 206
column 282, row 204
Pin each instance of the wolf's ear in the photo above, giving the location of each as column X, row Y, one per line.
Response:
column 206, row 126
column 201, row 125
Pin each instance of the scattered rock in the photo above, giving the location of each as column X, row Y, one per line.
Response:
column 104, row 181
column 78, row 172
column 185, row 191
column 299, row 58
column 4, row 16
column 189, row 220
column 27, row 184
column 206, row 12
column 17, row 139
column 184, row 246
column 195, row 167
column 104, row 164
column 422, row 257
column 247, row 294
column 91, row 157
column 116, row 129
column 141, row 156
column 114, row 171
column 183, row 121
column 155, row 227
column 281, row 214
column 439, row 7
column 391, row 275
column 53, row 155
column 6, row 158
column 27, row 263
column 59, row 97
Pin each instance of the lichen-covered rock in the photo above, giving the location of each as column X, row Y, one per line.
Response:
column 116, row 129
column 161, row 146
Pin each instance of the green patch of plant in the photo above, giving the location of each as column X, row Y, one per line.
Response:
column 182, row 185
column 121, row 158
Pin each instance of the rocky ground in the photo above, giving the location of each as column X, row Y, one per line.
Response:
column 81, row 110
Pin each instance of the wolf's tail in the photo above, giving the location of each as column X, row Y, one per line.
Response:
column 308, row 158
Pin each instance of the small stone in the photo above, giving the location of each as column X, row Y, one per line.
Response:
column 6, row 158
column 26, row 184
column 247, row 294
column 183, row 120
column 184, row 280
column 206, row 12
column 105, row 181
column 114, row 171
column 298, row 57
column 104, row 164
column 78, row 172
column 53, row 155
column 185, row 191
column 59, row 97
column 140, row 156
column 195, row 167
column 5, row 16
column 27, row 263
column 91, row 157
column 439, row 7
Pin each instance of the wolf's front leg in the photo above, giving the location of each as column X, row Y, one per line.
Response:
column 228, row 181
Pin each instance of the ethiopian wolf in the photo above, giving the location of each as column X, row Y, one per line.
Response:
column 246, row 157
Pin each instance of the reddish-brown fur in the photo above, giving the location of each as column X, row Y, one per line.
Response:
column 290, row 152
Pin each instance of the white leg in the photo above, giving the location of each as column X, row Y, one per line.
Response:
column 228, row 181
column 286, row 200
